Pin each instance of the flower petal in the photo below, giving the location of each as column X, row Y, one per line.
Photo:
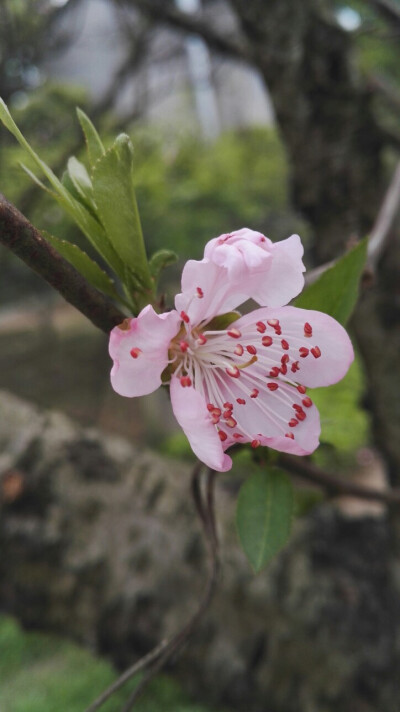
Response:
column 316, row 345
column 191, row 412
column 270, row 273
column 139, row 349
column 206, row 291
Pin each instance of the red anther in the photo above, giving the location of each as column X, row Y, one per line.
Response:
column 227, row 413
column 278, row 330
column 262, row 238
column 237, row 436
column 272, row 386
column 255, row 443
column 289, row 435
column 301, row 389
column 135, row 352
column 296, row 406
column 295, row 367
column 285, row 359
column 233, row 371
column 254, row 393
column 215, row 419
column 185, row 317
column 303, row 351
column 266, row 340
column 238, row 350
column 234, row 333
column 241, row 401
column 316, row 351
column 284, row 344
column 261, row 328
column 301, row 415
column 216, row 412
column 210, row 406
column 222, row 435
column 200, row 292
column 273, row 322
column 283, row 369
column 228, row 405
column 307, row 329
column 201, row 339
column 251, row 349
column 307, row 402
column 186, row 381
column 183, row 345
column 274, row 372
column 231, row 422
column 293, row 422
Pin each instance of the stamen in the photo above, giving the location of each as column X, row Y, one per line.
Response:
column 274, row 372
column 295, row 367
column 289, row 435
column 238, row 350
column 200, row 292
column 251, row 349
column 183, row 345
column 307, row 329
column 201, row 339
column 241, row 401
column 284, row 344
column 186, row 381
column 255, row 443
column 231, row 422
column 254, row 393
column 261, row 328
column 266, row 340
column 184, row 317
column 135, row 352
column 233, row 371
column 237, row 436
column 303, row 352
column 273, row 322
column 301, row 389
column 293, row 422
column 222, row 435
column 272, row 386
column 316, row 351
column 249, row 363
column 307, row 402
column 228, row 405
column 234, row 333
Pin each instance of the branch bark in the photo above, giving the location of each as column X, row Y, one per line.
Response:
column 18, row 235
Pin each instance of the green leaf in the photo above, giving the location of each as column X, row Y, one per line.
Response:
column 94, row 145
column 160, row 260
column 116, row 205
column 264, row 515
column 221, row 322
column 84, row 264
column 336, row 291
column 86, row 222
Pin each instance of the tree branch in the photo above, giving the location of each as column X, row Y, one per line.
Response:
column 335, row 485
column 160, row 11
column 17, row 233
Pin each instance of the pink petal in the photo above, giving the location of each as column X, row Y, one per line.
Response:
column 270, row 273
column 285, row 278
column 323, row 356
column 191, row 412
column 218, row 294
column 140, row 351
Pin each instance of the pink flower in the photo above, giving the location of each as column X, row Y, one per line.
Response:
column 245, row 382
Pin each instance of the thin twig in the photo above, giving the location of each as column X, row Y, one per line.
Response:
column 17, row 233
column 157, row 658
column 336, row 485
column 379, row 234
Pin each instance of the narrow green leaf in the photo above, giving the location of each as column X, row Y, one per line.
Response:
column 86, row 222
column 160, row 260
column 336, row 291
column 116, row 204
column 264, row 515
column 94, row 145
column 84, row 264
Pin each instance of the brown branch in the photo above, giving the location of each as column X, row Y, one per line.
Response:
column 19, row 236
column 161, row 11
column 379, row 235
column 159, row 656
column 335, row 485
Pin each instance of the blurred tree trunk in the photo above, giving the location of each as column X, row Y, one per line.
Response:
column 99, row 542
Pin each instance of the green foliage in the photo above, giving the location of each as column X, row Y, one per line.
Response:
column 94, row 146
column 42, row 673
column 264, row 515
column 336, row 291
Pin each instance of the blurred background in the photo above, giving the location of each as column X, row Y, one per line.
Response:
column 279, row 116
